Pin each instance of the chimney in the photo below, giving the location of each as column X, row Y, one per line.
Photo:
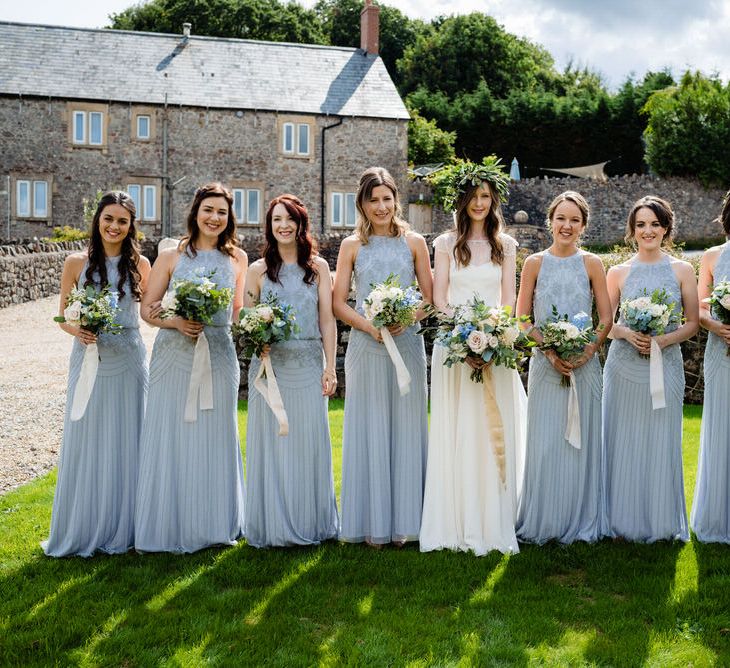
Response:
column 186, row 29
column 370, row 28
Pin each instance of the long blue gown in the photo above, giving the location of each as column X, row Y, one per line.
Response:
column 93, row 508
column 190, row 492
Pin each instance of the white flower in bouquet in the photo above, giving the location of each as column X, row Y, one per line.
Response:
column 493, row 342
column 72, row 313
column 477, row 341
column 510, row 336
column 169, row 301
column 266, row 313
column 725, row 302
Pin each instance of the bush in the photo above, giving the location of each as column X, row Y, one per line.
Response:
column 67, row 233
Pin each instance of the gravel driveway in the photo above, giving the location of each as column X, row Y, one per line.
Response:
column 33, row 389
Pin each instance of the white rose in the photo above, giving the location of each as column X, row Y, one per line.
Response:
column 72, row 313
column 493, row 342
column 510, row 335
column 494, row 316
column 266, row 313
column 169, row 301
column 725, row 302
column 571, row 331
column 477, row 341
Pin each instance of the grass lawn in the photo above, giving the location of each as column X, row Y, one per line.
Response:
column 612, row 604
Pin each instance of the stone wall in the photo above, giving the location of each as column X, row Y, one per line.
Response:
column 32, row 271
column 695, row 207
column 239, row 148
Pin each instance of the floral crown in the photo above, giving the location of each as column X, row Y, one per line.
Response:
column 470, row 174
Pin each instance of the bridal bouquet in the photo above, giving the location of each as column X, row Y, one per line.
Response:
column 195, row 298
column 389, row 304
column 94, row 310
column 270, row 321
column 719, row 301
column 483, row 332
column 652, row 314
column 649, row 314
column 568, row 337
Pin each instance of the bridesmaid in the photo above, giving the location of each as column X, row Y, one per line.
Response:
column 710, row 517
column 644, row 483
column 385, row 434
column 190, row 491
column 290, row 493
column 93, row 508
column 562, row 489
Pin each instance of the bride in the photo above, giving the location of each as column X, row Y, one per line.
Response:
column 466, row 505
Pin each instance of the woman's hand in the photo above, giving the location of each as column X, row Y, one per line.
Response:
column 329, row 382
column 155, row 309
column 85, row 337
column 588, row 353
column 265, row 351
column 397, row 330
column 560, row 365
column 374, row 332
column 723, row 331
column 642, row 342
column 187, row 327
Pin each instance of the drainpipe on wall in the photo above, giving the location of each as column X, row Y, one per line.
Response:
column 166, row 217
column 7, row 192
column 321, row 186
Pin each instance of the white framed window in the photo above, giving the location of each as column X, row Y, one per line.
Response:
column 79, row 130
column 146, row 200
column 149, row 210
column 87, row 127
column 303, row 139
column 343, row 209
column 32, row 198
column 96, row 128
column 287, row 135
column 143, row 127
column 247, row 205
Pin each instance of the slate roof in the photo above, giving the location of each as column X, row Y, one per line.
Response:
column 116, row 65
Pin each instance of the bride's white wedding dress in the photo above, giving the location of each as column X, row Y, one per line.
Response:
column 466, row 506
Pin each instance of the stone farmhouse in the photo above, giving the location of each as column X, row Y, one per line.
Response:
column 158, row 115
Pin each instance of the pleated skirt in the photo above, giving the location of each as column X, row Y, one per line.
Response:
column 385, row 440
column 290, row 493
column 710, row 519
column 643, row 448
column 190, row 491
column 562, row 495
column 93, row 506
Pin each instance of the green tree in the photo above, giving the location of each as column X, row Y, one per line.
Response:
column 270, row 20
column 427, row 143
column 453, row 56
column 688, row 131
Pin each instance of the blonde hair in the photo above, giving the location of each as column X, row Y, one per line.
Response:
column 369, row 180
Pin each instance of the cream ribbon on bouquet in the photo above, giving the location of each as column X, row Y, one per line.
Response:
column 269, row 390
column 656, row 376
column 496, row 426
column 402, row 374
column 200, row 388
column 572, row 426
column 85, row 383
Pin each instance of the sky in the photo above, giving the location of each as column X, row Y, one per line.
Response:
column 616, row 38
